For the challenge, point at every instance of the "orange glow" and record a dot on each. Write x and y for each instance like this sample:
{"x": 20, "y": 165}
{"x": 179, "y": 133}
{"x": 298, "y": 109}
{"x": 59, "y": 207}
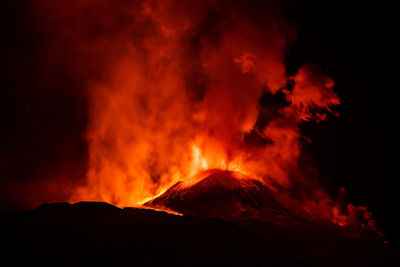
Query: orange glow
{"x": 177, "y": 90}
{"x": 166, "y": 110}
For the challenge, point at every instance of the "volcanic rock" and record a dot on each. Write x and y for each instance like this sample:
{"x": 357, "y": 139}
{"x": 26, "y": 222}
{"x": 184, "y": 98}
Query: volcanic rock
{"x": 96, "y": 233}
{"x": 222, "y": 194}
{"x": 233, "y": 196}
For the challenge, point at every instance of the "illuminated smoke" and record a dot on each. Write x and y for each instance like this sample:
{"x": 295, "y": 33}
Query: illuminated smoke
{"x": 175, "y": 87}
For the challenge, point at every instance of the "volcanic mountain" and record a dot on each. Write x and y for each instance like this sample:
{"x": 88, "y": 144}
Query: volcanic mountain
{"x": 222, "y": 194}
{"x": 233, "y": 196}
{"x": 229, "y": 219}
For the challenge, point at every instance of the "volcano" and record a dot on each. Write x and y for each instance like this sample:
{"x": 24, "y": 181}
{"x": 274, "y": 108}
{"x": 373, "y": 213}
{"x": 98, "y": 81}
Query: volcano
{"x": 195, "y": 133}
{"x": 100, "y": 233}
{"x": 233, "y": 196}
{"x": 222, "y": 194}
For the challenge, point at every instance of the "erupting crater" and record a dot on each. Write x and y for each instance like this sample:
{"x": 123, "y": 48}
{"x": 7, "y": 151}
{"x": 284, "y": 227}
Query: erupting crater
{"x": 235, "y": 197}
{"x": 223, "y": 194}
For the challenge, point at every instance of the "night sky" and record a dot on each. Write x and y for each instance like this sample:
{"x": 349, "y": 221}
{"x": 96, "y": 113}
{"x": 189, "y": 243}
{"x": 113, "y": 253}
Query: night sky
{"x": 43, "y": 111}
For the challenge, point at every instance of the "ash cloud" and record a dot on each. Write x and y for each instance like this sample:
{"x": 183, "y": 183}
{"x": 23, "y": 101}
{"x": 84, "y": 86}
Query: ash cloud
{"x": 169, "y": 88}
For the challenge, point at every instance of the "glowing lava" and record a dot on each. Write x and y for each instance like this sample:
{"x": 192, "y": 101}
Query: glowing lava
{"x": 179, "y": 88}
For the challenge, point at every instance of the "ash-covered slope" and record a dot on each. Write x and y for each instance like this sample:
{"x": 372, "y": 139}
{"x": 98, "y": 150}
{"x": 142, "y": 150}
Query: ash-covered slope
{"x": 95, "y": 233}
{"x": 232, "y": 196}
{"x": 222, "y": 194}
{"x": 228, "y": 219}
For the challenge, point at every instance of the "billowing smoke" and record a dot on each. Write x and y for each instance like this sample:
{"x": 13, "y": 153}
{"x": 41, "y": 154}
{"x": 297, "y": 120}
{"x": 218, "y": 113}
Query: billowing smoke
{"x": 175, "y": 87}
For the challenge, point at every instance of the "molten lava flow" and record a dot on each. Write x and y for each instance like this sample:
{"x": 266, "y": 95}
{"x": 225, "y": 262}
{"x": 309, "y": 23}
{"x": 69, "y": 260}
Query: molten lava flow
{"x": 178, "y": 87}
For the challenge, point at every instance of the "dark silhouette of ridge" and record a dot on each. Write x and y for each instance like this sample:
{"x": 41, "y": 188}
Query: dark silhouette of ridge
{"x": 98, "y": 233}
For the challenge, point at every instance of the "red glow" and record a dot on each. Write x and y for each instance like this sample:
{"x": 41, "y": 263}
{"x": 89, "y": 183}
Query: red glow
{"x": 179, "y": 90}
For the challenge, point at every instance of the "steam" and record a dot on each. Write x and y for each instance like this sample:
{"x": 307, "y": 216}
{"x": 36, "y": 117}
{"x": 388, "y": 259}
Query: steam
{"x": 183, "y": 76}
{"x": 175, "y": 87}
